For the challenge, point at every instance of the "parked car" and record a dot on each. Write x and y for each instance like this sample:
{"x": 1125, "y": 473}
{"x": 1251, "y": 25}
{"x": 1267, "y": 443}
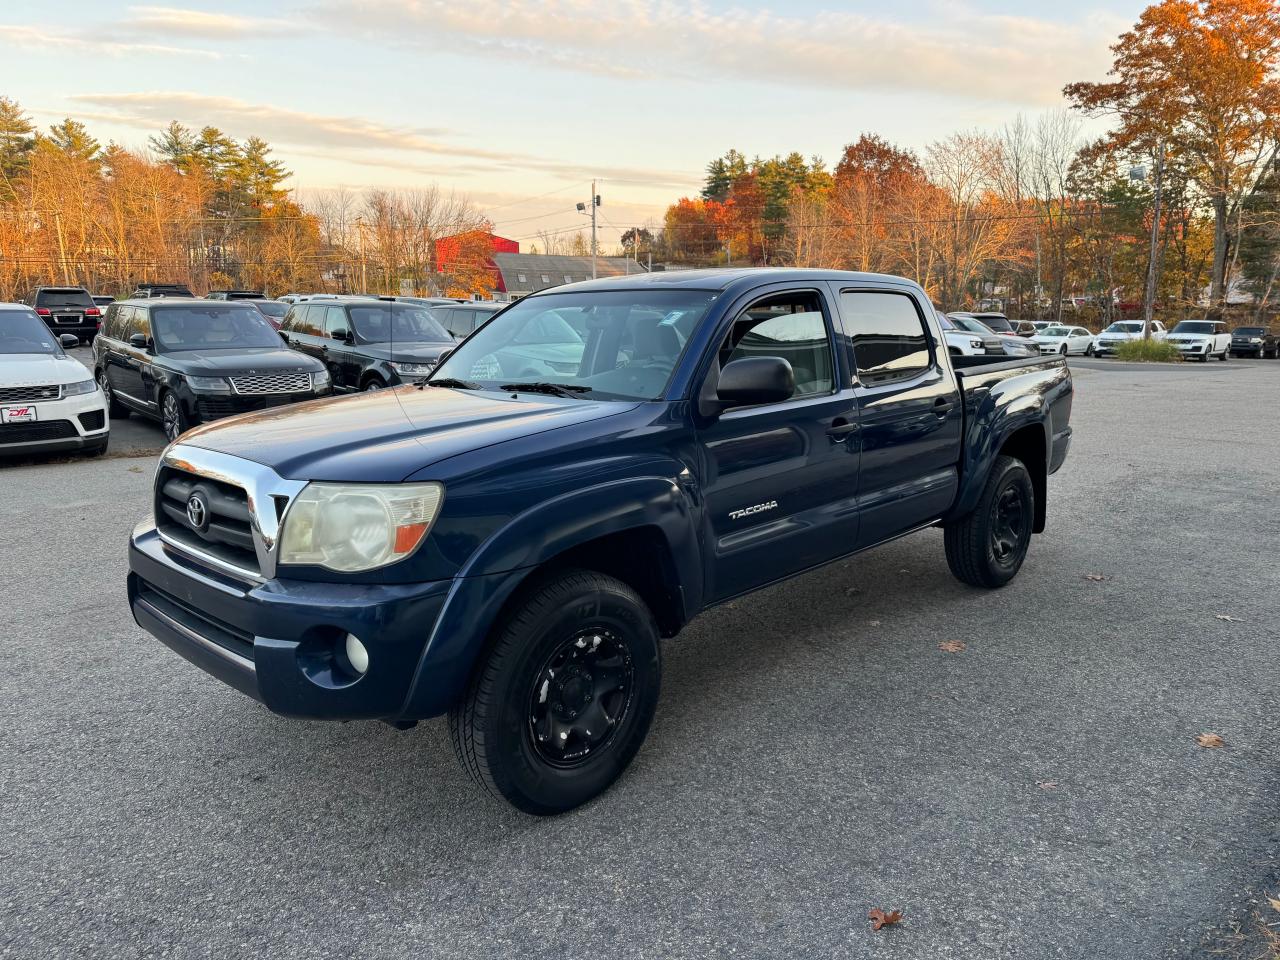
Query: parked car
{"x": 462, "y": 319}
{"x": 1201, "y": 339}
{"x": 999, "y": 323}
{"x": 510, "y": 553}
{"x": 1065, "y": 340}
{"x": 1042, "y": 325}
{"x": 148, "y": 290}
{"x": 1253, "y": 342}
{"x": 1122, "y": 331}
{"x": 367, "y": 344}
{"x": 102, "y": 301}
{"x": 236, "y": 295}
{"x": 964, "y": 343}
{"x": 185, "y": 362}
{"x": 48, "y": 400}
{"x": 1011, "y": 344}
{"x": 69, "y": 310}
{"x": 273, "y": 310}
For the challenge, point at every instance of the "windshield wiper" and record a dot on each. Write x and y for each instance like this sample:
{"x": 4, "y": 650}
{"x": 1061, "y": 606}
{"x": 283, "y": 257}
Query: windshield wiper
{"x": 555, "y": 389}
{"x": 449, "y": 382}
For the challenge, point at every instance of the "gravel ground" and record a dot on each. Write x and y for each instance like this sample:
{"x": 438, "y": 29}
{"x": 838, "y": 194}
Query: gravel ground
{"x": 1040, "y": 793}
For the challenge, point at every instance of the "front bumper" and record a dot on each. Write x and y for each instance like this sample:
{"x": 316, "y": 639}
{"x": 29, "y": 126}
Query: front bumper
{"x": 275, "y": 640}
{"x": 1192, "y": 348}
{"x": 1245, "y": 349}
{"x": 72, "y": 423}
{"x": 215, "y": 406}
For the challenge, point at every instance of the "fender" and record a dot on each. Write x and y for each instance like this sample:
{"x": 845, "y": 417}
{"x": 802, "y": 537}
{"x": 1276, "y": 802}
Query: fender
{"x": 504, "y": 561}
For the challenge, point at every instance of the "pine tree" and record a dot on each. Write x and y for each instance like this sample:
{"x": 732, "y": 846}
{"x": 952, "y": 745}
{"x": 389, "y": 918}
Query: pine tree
{"x": 72, "y": 138}
{"x": 16, "y": 143}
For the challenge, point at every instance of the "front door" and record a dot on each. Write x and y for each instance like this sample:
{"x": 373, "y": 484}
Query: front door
{"x": 909, "y": 413}
{"x": 337, "y": 353}
{"x": 780, "y": 480}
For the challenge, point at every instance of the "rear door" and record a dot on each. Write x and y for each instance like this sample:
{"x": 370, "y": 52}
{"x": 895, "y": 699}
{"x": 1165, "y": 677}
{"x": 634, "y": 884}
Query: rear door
{"x": 909, "y": 411}
{"x": 306, "y": 329}
{"x": 341, "y": 357}
{"x": 135, "y": 369}
{"x": 780, "y": 480}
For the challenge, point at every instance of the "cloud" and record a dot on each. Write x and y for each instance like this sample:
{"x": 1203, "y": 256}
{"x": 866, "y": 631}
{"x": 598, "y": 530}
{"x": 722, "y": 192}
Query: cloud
{"x": 178, "y": 21}
{"x": 103, "y": 44}
{"x": 957, "y": 52}
{"x": 358, "y": 139}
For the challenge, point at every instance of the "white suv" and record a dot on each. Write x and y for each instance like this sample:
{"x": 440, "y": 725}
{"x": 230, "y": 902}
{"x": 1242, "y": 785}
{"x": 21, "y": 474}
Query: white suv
{"x": 1202, "y": 339}
{"x": 48, "y": 401}
{"x": 1122, "y": 331}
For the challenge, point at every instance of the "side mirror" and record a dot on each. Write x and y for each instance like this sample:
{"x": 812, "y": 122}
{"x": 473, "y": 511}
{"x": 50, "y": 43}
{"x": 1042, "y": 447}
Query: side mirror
{"x": 755, "y": 380}
{"x": 139, "y": 340}
{"x": 68, "y": 340}
{"x": 343, "y": 335}
{"x": 443, "y": 356}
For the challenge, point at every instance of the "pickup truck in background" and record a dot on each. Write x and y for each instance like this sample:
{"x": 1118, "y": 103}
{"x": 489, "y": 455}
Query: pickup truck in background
{"x": 510, "y": 552}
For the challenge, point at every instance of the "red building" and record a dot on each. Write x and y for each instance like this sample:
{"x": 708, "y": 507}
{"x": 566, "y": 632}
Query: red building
{"x": 472, "y": 244}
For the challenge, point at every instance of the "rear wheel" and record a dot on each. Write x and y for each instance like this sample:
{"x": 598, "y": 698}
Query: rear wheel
{"x": 561, "y": 704}
{"x": 1223, "y": 357}
{"x": 986, "y": 548}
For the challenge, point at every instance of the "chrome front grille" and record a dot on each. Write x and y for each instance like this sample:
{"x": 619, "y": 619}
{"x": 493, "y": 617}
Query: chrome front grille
{"x": 272, "y": 383}
{"x": 49, "y": 391}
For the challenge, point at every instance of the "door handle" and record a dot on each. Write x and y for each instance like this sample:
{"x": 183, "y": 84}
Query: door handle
{"x": 942, "y": 406}
{"x": 840, "y": 430}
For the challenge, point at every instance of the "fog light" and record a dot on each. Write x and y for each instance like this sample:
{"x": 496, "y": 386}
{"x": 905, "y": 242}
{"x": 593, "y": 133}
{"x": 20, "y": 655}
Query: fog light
{"x": 357, "y": 655}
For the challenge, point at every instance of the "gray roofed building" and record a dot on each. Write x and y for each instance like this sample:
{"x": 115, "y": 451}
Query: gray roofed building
{"x": 525, "y": 273}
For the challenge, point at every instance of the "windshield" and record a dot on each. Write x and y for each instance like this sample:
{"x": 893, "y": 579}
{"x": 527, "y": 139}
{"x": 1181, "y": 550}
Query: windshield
{"x": 21, "y": 331}
{"x": 972, "y": 325}
{"x": 1056, "y": 332}
{"x": 208, "y": 326}
{"x": 620, "y": 345}
{"x": 272, "y": 308}
{"x": 397, "y": 322}
{"x": 1193, "y": 326}
{"x": 1125, "y": 328}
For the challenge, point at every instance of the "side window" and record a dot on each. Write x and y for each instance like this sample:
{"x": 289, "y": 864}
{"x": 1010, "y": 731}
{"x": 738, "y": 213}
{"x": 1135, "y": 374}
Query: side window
{"x": 335, "y": 320}
{"x": 290, "y": 321}
{"x": 790, "y": 326}
{"x": 889, "y": 339}
{"x": 110, "y": 321}
{"x": 310, "y": 321}
{"x": 141, "y": 322}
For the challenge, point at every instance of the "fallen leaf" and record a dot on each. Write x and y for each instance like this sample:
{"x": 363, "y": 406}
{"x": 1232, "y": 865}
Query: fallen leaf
{"x": 873, "y": 623}
{"x": 1228, "y": 618}
{"x": 951, "y": 646}
{"x": 135, "y": 469}
{"x": 881, "y": 919}
{"x": 1210, "y": 740}
{"x": 1275, "y": 904}
{"x": 1095, "y": 577}
{"x": 1047, "y": 784}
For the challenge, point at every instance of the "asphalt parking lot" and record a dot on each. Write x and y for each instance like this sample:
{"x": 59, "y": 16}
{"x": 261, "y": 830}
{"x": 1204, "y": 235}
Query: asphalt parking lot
{"x": 1040, "y": 793}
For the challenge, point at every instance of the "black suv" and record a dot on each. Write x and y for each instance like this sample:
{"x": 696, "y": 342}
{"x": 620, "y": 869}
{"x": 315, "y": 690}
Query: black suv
{"x": 145, "y": 291}
{"x": 67, "y": 310}
{"x": 367, "y": 344}
{"x": 237, "y": 295}
{"x": 184, "y": 362}
{"x": 462, "y": 319}
{"x": 1253, "y": 342}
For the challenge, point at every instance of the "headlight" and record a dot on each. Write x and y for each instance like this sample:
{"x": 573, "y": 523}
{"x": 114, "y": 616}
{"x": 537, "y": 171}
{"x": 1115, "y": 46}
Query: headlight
{"x": 975, "y": 344}
{"x": 1255, "y": 339}
{"x": 209, "y": 384}
{"x": 411, "y": 369}
{"x": 83, "y": 386}
{"x": 355, "y": 527}
{"x": 320, "y": 379}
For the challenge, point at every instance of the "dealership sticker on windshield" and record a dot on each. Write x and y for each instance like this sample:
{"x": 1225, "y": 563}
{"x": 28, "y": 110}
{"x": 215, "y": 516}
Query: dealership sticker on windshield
{"x": 25, "y": 414}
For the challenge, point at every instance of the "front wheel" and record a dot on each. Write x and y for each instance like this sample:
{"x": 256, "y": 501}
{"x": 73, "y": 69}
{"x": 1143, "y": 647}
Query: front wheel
{"x": 986, "y": 548}
{"x": 1089, "y": 350}
{"x": 564, "y": 698}
{"x": 173, "y": 417}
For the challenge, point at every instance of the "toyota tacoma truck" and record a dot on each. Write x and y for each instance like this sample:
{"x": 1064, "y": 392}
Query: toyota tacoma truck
{"x": 511, "y": 551}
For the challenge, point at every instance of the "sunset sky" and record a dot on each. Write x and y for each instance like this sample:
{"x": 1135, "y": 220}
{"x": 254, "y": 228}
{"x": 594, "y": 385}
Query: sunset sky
{"x": 519, "y": 104}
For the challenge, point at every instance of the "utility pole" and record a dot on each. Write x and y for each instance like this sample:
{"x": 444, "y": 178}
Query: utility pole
{"x": 1148, "y": 304}
{"x": 582, "y": 208}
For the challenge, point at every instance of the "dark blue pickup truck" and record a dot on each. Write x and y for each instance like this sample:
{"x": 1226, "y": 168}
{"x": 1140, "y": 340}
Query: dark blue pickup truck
{"x": 506, "y": 543}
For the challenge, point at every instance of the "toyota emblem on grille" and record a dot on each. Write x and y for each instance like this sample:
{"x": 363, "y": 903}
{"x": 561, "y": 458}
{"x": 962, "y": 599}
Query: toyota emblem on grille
{"x": 197, "y": 512}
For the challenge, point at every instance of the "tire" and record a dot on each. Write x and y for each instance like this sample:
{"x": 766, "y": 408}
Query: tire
{"x": 1089, "y": 350}
{"x": 373, "y": 383}
{"x": 96, "y": 451}
{"x": 173, "y": 418}
{"x": 1063, "y": 351}
{"x": 511, "y": 728}
{"x": 1223, "y": 358}
{"x": 987, "y": 547}
{"x": 115, "y": 409}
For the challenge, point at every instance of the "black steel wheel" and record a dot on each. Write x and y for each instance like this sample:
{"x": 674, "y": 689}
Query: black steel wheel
{"x": 173, "y": 417}
{"x": 986, "y": 548}
{"x": 563, "y": 699}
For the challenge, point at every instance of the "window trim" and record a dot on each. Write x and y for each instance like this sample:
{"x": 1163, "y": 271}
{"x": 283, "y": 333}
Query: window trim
{"x": 931, "y": 344}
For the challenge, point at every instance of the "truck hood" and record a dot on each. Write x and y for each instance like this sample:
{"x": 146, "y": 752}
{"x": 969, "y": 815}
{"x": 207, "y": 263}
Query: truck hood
{"x": 386, "y": 435}
{"x": 38, "y": 369}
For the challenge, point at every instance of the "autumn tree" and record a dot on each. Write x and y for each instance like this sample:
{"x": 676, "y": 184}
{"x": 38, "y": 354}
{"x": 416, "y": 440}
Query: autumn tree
{"x": 1197, "y": 79}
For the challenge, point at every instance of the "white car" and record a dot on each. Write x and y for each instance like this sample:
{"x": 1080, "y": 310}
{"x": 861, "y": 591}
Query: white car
{"x": 963, "y": 343}
{"x": 1201, "y": 339}
{"x": 1122, "y": 331}
{"x": 1065, "y": 340}
{"x": 1011, "y": 345}
{"x": 48, "y": 401}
